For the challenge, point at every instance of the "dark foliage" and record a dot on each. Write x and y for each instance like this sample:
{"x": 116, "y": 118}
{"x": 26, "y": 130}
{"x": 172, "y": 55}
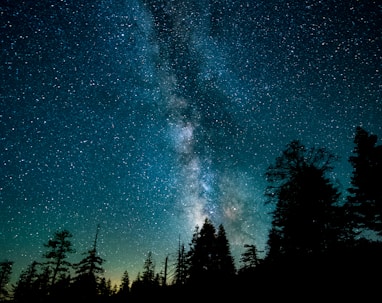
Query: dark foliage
{"x": 5, "y": 275}
{"x": 305, "y": 202}
{"x": 313, "y": 251}
{"x": 86, "y": 284}
{"x": 249, "y": 259}
{"x": 58, "y": 249}
{"x": 210, "y": 258}
{"x": 365, "y": 199}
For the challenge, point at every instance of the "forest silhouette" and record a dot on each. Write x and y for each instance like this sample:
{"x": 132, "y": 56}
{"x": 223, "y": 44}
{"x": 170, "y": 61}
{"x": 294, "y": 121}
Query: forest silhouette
{"x": 319, "y": 245}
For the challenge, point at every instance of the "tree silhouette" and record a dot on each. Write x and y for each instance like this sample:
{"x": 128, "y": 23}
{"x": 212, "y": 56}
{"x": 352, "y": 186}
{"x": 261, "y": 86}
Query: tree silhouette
{"x": 43, "y": 281}
{"x": 92, "y": 263}
{"x": 148, "y": 273}
{"x": 225, "y": 262}
{"x": 147, "y": 284}
{"x": 124, "y": 288}
{"x": 105, "y": 289}
{"x": 308, "y": 224}
{"x": 59, "y": 247}
{"x": 27, "y": 288}
{"x": 305, "y": 202}
{"x": 34, "y": 285}
{"x": 209, "y": 258}
{"x": 365, "y": 199}
{"x": 88, "y": 270}
{"x": 202, "y": 253}
{"x": 5, "y": 275}
{"x": 249, "y": 259}
{"x": 249, "y": 274}
{"x": 181, "y": 266}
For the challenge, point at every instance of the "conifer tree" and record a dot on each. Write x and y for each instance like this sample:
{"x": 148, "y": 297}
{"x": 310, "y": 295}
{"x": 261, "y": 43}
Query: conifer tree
{"x": 202, "y": 253}
{"x": 88, "y": 270}
{"x": 91, "y": 265}
{"x": 365, "y": 199}
{"x": 136, "y": 286}
{"x": 43, "y": 281}
{"x": 58, "y": 249}
{"x": 225, "y": 262}
{"x": 305, "y": 202}
{"x": 249, "y": 258}
{"x": 105, "y": 289}
{"x": 148, "y": 273}
{"x": 209, "y": 259}
{"x": 145, "y": 286}
{"x": 26, "y": 288}
{"x": 181, "y": 265}
{"x": 124, "y": 288}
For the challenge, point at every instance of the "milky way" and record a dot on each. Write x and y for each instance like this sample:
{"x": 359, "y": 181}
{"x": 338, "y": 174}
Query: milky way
{"x": 148, "y": 116}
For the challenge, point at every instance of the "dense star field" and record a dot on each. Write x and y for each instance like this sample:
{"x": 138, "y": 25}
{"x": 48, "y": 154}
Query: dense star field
{"x": 147, "y": 116}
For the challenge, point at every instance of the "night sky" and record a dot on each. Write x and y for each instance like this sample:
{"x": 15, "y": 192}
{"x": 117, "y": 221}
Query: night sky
{"x": 147, "y": 116}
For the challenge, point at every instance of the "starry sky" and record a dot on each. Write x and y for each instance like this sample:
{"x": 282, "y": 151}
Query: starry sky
{"x": 146, "y": 116}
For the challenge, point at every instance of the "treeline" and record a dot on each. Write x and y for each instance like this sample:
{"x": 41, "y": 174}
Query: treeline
{"x": 319, "y": 244}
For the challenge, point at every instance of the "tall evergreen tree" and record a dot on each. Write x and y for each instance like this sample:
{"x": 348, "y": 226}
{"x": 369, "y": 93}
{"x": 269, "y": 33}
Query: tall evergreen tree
{"x": 88, "y": 270}
{"x": 91, "y": 265}
{"x": 225, "y": 262}
{"x": 145, "y": 286}
{"x": 124, "y": 288}
{"x": 209, "y": 259}
{"x": 305, "y": 202}
{"x": 59, "y": 247}
{"x": 148, "y": 274}
{"x": 202, "y": 253}
{"x": 181, "y": 265}
{"x": 274, "y": 250}
{"x": 365, "y": 199}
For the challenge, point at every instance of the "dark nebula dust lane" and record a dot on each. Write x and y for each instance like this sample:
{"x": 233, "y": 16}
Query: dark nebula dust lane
{"x": 147, "y": 116}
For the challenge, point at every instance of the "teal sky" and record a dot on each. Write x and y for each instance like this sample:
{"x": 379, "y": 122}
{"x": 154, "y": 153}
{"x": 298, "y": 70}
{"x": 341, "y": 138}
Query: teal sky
{"x": 148, "y": 116}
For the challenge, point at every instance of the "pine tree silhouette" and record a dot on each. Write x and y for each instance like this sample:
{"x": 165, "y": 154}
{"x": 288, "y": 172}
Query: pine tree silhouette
{"x": 365, "y": 199}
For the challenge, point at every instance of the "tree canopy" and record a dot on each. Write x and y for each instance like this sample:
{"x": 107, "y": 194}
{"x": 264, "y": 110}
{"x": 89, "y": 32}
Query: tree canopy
{"x": 305, "y": 201}
{"x": 312, "y": 234}
{"x": 365, "y": 199}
